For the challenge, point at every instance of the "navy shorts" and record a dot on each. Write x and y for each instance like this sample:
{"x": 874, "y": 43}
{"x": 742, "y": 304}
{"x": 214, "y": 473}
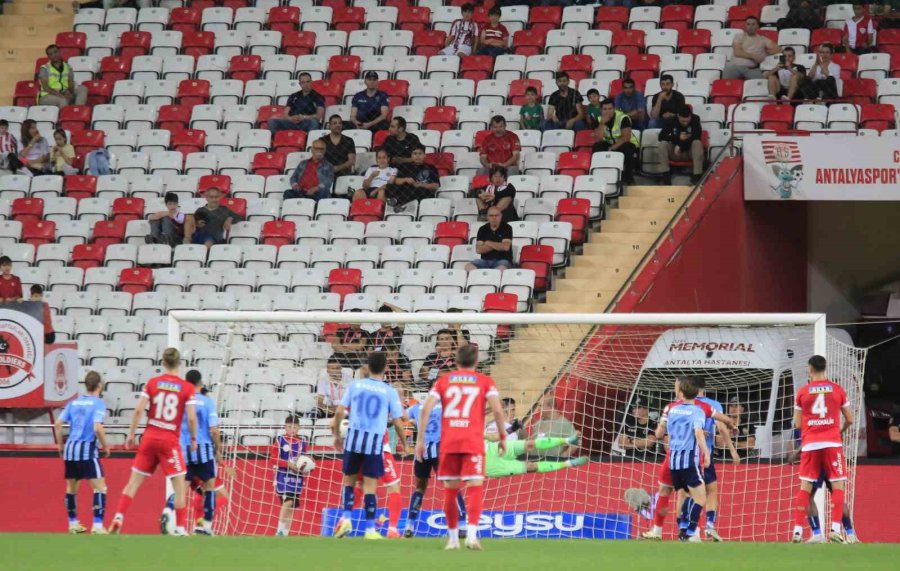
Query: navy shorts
{"x": 709, "y": 474}
{"x": 424, "y": 468}
{"x": 370, "y": 465}
{"x": 687, "y": 478}
{"x": 83, "y": 469}
{"x": 203, "y": 471}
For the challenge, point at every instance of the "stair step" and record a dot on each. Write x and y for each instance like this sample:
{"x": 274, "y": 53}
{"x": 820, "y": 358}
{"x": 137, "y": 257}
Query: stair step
{"x": 655, "y": 191}
{"x": 602, "y": 296}
{"x": 598, "y": 307}
{"x": 627, "y": 238}
{"x": 639, "y": 214}
{"x": 38, "y": 9}
{"x": 636, "y": 226}
{"x": 650, "y": 202}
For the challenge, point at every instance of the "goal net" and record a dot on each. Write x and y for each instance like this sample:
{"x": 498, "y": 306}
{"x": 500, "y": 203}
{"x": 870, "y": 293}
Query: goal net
{"x": 604, "y": 376}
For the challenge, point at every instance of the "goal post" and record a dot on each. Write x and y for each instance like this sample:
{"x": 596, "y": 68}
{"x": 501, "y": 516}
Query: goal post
{"x": 606, "y": 376}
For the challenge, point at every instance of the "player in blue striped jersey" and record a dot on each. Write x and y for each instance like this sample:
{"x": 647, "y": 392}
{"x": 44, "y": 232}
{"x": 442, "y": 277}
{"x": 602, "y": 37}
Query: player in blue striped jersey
{"x": 81, "y": 452}
{"x": 372, "y": 401}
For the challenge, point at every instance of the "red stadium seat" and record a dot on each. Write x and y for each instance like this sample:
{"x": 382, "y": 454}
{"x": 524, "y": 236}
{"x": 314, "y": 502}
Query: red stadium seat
{"x": 529, "y": 42}
{"x": 245, "y": 67}
{"x": 726, "y": 91}
{"x": 540, "y": 259}
{"x": 173, "y": 117}
{"x": 848, "y": 61}
{"x": 188, "y": 141}
{"x": 348, "y": 18}
{"x": 628, "y": 42}
{"x": 25, "y": 94}
{"x": 577, "y": 66}
{"x": 642, "y": 66}
{"x": 71, "y": 44}
{"x": 344, "y": 281}
{"x": 611, "y": 18}
{"x": 428, "y": 42}
{"x": 237, "y": 205}
{"x": 577, "y": 211}
{"x": 737, "y": 15}
{"x": 695, "y": 41}
{"x": 414, "y": 18}
{"x": 677, "y": 17}
{"x": 378, "y": 139}
{"x": 451, "y": 233}
{"x": 185, "y": 20}
{"x": 278, "y": 232}
{"x": 584, "y": 140}
{"x": 296, "y": 43}
{"x": 615, "y": 86}
{"x": 38, "y": 232}
{"x": 128, "y": 208}
{"x": 108, "y": 232}
{"x": 27, "y": 209}
{"x": 777, "y": 117}
{"x": 888, "y": 37}
{"x": 343, "y": 67}
{"x": 268, "y": 164}
{"x": 397, "y": 91}
{"x": 99, "y": 91}
{"x": 545, "y": 18}
{"x": 284, "y": 19}
{"x": 517, "y": 90}
{"x": 771, "y": 34}
{"x": 114, "y": 68}
{"x": 86, "y": 256}
{"x": 476, "y": 67}
{"x": 824, "y": 35}
{"x": 331, "y": 91}
{"x": 442, "y": 118}
{"x": 860, "y": 91}
{"x": 573, "y": 163}
{"x": 133, "y": 44}
{"x": 87, "y": 141}
{"x": 136, "y": 280}
{"x": 263, "y": 114}
{"x": 219, "y": 181}
{"x": 444, "y": 163}
{"x": 74, "y": 117}
{"x": 80, "y": 185}
{"x": 198, "y": 43}
{"x": 192, "y": 92}
{"x": 879, "y": 116}
{"x": 366, "y": 210}
{"x": 287, "y": 142}
{"x": 500, "y": 303}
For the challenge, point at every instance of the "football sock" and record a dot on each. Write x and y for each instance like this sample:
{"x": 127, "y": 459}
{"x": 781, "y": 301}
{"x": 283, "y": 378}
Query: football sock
{"x": 710, "y": 518}
{"x": 548, "y": 442}
{"x": 546, "y": 466}
{"x": 371, "y": 503}
{"x": 70, "y": 508}
{"x": 99, "y": 507}
{"x": 837, "y": 509}
{"x": 474, "y": 501}
{"x": 848, "y": 524}
{"x": 358, "y": 497}
{"x": 395, "y": 505}
{"x": 451, "y": 510}
{"x": 415, "y": 504}
{"x": 685, "y": 518}
{"x": 124, "y": 504}
{"x": 461, "y": 505}
{"x": 696, "y": 510}
{"x": 197, "y": 505}
{"x": 348, "y": 501}
{"x": 209, "y": 505}
{"x": 662, "y": 507}
{"x": 170, "y": 502}
{"x": 181, "y": 517}
{"x": 814, "y": 524}
{"x": 800, "y": 504}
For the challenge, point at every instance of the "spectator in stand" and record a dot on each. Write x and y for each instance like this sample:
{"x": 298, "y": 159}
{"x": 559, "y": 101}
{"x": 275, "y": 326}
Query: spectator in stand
{"x": 801, "y": 14}
{"x": 57, "y": 81}
{"x": 377, "y": 178}
{"x": 744, "y": 437}
{"x": 592, "y": 111}
{"x": 614, "y": 135}
{"x": 565, "y": 109}
{"x": 494, "y": 38}
{"x": 531, "y": 115}
{"x": 9, "y": 149}
{"x": 785, "y": 78}
{"x": 553, "y": 423}
{"x": 340, "y": 150}
{"x": 333, "y": 381}
{"x": 414, "y": 181}
{"x": 399, "y": 144}
{"x": 500, "y": 148}
{"x": 499, "y": 194}
{"x": 313, "y": 177}
{"x": 211, "y": 222}
{"x": 37, "y": 295}
{"x": 441, "y": 361}
{"x": 633, "y": 103}
{"x": 305, "y": 109}
{"x": 679, "y": 139}
{"x": 167, "y": 226}
{"x": 398, "y": 371}
{"x": 35, "y": 150}
{"x": 821, "y": 79}
{"x": 750, "y": 50}
{"x": 463, "y": 34}
{"x": 859, "y": 32}
{"x": 493, "y": 243}
{"x": 10, "y": 285}
{"x": 666, "y": 103}
{"x": 638, "y": 437}
{"x": 62, "y": 155}
{"x": 388, "y": 332}
{"x": 350, "y": 344}
{"x": 369, "y": 109}
{"x": 512, "y": 425}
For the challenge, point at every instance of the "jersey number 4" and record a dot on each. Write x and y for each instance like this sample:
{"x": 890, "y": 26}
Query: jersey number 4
{"x": 819, "y": 407}
{"x": 166, "y": 406}
{"x": 456, "y": 395}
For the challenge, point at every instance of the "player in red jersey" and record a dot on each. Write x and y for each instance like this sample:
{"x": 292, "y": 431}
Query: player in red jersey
{"x": 169, "y": 397}
{"x": 462, "y": 394}
{"x": 817, "y": 414}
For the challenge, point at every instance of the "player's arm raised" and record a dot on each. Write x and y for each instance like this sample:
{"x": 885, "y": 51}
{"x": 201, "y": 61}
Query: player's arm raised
{"x": 661, "y": 427}
{"x": 136, "y": 418}
{"x": 424, "y": 415}
{"x": 494, "y": 400}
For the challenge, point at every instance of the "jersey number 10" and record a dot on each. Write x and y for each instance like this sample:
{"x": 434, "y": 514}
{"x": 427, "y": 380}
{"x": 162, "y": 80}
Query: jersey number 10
{"x": 166, "y": 406}
{"x": 456, "y": 395}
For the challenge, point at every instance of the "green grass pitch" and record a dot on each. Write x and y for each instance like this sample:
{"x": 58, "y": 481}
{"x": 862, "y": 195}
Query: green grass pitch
{"x": 26, "y": 552}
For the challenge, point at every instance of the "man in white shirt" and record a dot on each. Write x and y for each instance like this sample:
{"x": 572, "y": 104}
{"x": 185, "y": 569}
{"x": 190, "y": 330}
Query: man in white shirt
{"x": 333, "y": 382}
{"x": 822, "y": 77}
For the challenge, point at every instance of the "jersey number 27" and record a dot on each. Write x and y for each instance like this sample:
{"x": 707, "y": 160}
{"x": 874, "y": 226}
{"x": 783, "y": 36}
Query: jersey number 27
{"x": 456, "y": 394}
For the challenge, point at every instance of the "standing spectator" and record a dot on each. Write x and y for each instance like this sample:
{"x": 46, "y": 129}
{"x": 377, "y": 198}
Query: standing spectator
{"x": 167, "y": 226}
{"x": 377, "y": 178}
{"x": 743, "y": 434}
{"x": 62, "y": 155}
{"x": 414, "y": 181}
{"x": 531, "y": 115}
{"x": 801, "y": 14}
{"x": 370, "y": 106}
{"x": 305, "y": 109}
{"x": 679, "y": 139}
{"x": 859, "y": 32}
{"x": 614, "y": 135}
{"x": 785, "y": 78}
{"x": 313, "y": 177}
{"x": 499, "y": 194}
{"x": 666, "y": 103}
{"x": 333, "y": 381}
{"x": 565, "y": 109}
{"x": 638, "y": 437}
{"x": 399, "y": 144}
{"x": 494, "y": 38}
{"x": 58, "y": 82}
{"x": 493, "y": 243}
{"x": 212, "y": 221}
{"x": 10, "y": 285}
{"x": 35, "y": 150}
{"x": 463, "y": 34}
{"x": 750, "y": 50}
{"x": 821, "y": 79}
{"x": 592, "y": 111}
{"x": 633, "y": 103}
{"x": 340, "y": 150}
{"x": 441, "y": 361}
{"x": 9, "y": 149}
{"x": 37, "y": 295}
{"x": 387, "y": 333}
{"x": 350, "y": 345}
{"x": 500, "y": 148}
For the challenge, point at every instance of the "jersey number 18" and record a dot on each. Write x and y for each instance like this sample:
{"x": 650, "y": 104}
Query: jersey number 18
{"x": 166, "y": 406}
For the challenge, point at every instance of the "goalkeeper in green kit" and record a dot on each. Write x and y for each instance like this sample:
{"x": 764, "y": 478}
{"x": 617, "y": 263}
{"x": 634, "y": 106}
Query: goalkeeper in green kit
{"x": 498, "y": 465}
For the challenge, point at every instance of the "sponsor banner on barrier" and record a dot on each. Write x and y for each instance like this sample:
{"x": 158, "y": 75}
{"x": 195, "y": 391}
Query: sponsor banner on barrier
{"x": 21, "y": 355}
{"x": 498, "y": 524}
{"x": 833, "y": 167}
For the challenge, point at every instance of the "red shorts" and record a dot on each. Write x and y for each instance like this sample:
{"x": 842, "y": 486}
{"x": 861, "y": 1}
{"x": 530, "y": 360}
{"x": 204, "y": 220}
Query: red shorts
{"x": 391, "y": 473}
{"x": 828, "y": 461}
{"x": 156, "y": 452}
{"x": 665, "y": 475}
{"x": 455, "y": 466}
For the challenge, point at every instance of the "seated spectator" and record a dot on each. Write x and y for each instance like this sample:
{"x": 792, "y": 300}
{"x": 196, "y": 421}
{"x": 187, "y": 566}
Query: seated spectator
{"x": 859, "y": 32}
{"x": 400, "y": 144}
{"x": 167, "y": 226}
{"x": 680, "y": 139}
{"x": 10, "y": 285}
{"x": 351, "y": 344}
{"x": 463, "y": 34}
{"x": 494, "y": 38}
{"x": 801, "y": 14}
{"x": 565, "y": 110}
{"x": 821, "y": 80}
{"x": 304, "y": 111}
{"x": 37, "y": 295}
{"x": 499, "y": 194}
{"x": 531, "y": 115}
{"x": 388, "y": 332}
{"x": 340, "y": 150}
{"x": 785, "y": 78}
{"x": 369, "y": 109}
{"x": 633, "y": 103}
{"x": 62, "y": 155}
{"x": 443, "y": 360}
{"x": 500, "y": 148}
{"x": 313, "y": 177}
{"x": 57, "y": 81}
{"x": 9, "y": 149}
{"x": 592, "y": 111}
{"x": 333, "y": 381}
{"x": 638, "y": 437}
{"x": 550, "y": 421}
{"x": 210, "y": 224}
{"x": 493, "y": 243}
{"x": 414, "y": 181}
{"x": 614, "y": 135}
{"x": 398, "y": 371}
{"x": 34, "y": 152}
{"x": 744, "y": 436}
{"x": 376, "y": 178}
{"x": 750, "y": 50}
{"x": 666, "y": 103}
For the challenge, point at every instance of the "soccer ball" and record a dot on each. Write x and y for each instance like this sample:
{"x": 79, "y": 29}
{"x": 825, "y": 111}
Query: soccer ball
{"x": 305, "y": 464}
{"x": 345, "y": 425}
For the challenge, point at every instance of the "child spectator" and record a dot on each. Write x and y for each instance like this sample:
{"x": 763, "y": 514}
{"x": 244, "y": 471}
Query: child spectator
{"x": 463, "y": 34}
{"x": 167, "y": 226}
{"x": 377, "y": 178}
{"x": 62, "y": 155}
{"x": 37, "y": 294}
{"x": 494, "y": 38}
{"x": 859, "y": 32}
{"x": 9, "y": 149}
{"x": 10, "y": 286}
{"x": 531, "y": 115}
{"x": 592, "y": 111}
